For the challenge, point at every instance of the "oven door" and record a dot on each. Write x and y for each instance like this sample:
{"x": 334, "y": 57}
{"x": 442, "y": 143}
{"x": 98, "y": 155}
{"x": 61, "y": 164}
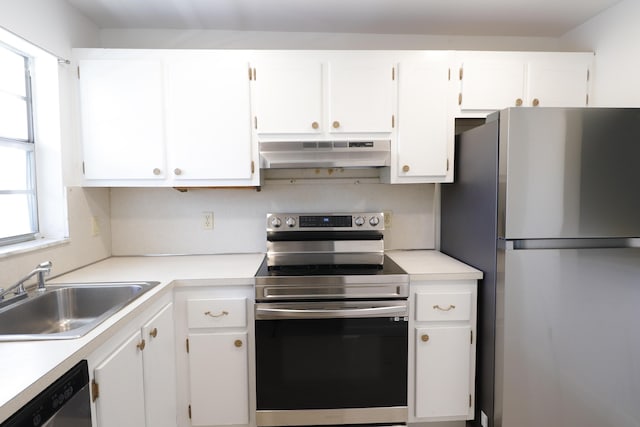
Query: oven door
{"x": 331, "y": 362}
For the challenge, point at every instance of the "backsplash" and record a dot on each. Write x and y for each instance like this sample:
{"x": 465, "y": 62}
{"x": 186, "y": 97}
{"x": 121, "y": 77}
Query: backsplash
{"x": 165, "y": 221}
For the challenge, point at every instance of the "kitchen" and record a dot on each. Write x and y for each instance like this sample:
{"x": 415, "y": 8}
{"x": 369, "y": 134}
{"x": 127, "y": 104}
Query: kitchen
{"x": 141, "y": 221}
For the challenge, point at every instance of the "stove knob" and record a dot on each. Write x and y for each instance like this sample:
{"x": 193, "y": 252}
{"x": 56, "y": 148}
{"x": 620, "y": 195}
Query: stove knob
{"x": 359, "y": 221}
{"x": 276, "y": 222}
{"x": 374, "y": 220}
{"x": 291, "y": 222}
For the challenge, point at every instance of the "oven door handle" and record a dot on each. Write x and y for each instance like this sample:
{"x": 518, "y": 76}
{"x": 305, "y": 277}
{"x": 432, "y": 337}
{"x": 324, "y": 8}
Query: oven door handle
{"x": 312, "y": 313}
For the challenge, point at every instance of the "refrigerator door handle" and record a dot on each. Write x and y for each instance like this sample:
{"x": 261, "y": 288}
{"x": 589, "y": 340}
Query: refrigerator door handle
{"x": 596, "y": 243}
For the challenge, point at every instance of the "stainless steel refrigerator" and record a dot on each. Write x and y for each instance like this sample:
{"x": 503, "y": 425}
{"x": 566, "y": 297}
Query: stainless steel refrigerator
{"x": 547, "y": 203}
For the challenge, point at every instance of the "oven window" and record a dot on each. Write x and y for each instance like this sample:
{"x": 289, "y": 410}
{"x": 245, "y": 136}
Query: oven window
{"x": 331, "y": 363}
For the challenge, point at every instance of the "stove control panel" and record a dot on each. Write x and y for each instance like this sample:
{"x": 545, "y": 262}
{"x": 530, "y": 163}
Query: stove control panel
{"x": 325, "y": 222}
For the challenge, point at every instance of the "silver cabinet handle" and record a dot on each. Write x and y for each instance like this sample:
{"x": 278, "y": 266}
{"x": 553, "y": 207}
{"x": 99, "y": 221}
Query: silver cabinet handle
{"x": 210, "y": 314}
{"x": 437, "y": 307}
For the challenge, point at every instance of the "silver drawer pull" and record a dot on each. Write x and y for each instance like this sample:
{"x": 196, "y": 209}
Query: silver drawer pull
{"x": 224, "y": 313}
{"x": 437, "y": 307}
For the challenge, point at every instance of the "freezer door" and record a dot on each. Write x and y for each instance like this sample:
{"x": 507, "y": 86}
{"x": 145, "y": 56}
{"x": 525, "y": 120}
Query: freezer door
{"x": 569, "y": 173}
{"x": 568, "y": 347}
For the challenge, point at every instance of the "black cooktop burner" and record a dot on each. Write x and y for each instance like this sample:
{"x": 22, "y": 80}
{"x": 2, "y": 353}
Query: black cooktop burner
{"x": 388, "y": 267}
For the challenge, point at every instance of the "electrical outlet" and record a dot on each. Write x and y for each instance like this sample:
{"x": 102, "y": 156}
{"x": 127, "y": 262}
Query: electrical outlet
{"x": 484, "y": 420}
{"x": 207, "y": 220}
{"x": 95, "y": 226}
{"x": 387, "y": 219}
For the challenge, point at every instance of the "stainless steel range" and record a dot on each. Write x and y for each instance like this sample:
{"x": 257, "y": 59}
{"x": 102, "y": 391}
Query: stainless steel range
{"x": 331, "y": 323}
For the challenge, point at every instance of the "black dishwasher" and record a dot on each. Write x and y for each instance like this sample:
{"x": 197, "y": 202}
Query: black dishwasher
{"x": 65, "y": 403}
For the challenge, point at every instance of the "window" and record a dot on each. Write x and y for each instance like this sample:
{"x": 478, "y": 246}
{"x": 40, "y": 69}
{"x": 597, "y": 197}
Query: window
{"x": 18, "y": 203}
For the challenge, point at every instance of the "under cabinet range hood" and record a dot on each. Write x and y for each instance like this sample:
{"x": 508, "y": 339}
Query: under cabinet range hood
{"x": 324, "y": 154}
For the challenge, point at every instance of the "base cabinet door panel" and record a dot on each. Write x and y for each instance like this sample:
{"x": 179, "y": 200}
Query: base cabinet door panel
{"x": 442, "y": 371}
{"x": 121, "y": 398}
{"x": 159, "y": 369}
{"x": 218, "y": 379}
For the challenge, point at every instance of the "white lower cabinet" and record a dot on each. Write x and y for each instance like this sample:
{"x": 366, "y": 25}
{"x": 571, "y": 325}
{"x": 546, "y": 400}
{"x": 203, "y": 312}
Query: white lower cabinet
{"x": 219, "y": 379}
{"x": 215, "y": 356}
{"x": 442, "y": 371}
{"x": 442, "y": 351}
{"x": 134, "y": 384}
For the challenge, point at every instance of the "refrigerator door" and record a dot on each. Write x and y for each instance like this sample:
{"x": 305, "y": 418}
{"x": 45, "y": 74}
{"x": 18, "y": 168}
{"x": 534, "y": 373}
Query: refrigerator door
{"x": 569, "y": 173}
{"x": 567, "y": 344}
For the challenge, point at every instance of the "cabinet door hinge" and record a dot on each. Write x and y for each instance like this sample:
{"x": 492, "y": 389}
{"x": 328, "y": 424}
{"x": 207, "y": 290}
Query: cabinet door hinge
{"x": 253, "y": 167}
{"x": 187, "y": 345}
{"x": 393, "y": 73}
{"x": 447, "y": 165}
{"x": 189, "y": 411}
{"x": 95, "y": 390}
{"x": 469, "y": 401}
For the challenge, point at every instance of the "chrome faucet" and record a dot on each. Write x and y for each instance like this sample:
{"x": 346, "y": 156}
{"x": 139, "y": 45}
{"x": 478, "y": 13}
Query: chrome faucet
{"x": 41, "y": 271}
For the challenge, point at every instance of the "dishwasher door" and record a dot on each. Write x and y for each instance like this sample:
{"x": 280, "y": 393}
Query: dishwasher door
{"x": 65, "y": 403}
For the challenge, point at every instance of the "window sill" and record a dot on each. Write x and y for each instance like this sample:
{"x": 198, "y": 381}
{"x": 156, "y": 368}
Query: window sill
{"x": 32, "y": 245}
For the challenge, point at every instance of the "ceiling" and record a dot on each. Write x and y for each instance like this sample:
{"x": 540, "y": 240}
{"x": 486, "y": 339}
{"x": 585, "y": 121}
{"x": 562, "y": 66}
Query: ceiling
{"x": 536, "y": 18}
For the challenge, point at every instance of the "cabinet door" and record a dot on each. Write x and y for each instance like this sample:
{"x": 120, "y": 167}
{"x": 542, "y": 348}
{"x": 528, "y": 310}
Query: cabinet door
{"x": 425, "y": 127}
{"x": 209, "y": 118}
{"x": 558, "y": 81}
{"x": 361, "y": 93}
{"x": 491, "y": 84}
{"x": 288, "y": 96}
{"x": 122, "y": 118}
{"x": 119, "y": 378}
{"x": 443, "y": 371}
{"x": 219, "y": 382}
{"x": 160, "y": 369}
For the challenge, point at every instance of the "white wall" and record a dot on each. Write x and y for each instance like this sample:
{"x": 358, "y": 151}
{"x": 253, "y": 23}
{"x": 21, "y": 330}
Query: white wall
{"x": 165, "y": 221}
{"x": 55, "y": 26}
{"x": 218, "y": 39}
{"x": 613, "y": 36}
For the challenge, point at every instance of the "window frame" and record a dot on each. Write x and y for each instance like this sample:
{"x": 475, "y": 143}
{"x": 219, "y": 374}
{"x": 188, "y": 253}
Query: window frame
{"x": 28, "y": 146}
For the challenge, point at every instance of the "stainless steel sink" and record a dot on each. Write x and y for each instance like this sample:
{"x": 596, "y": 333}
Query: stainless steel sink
{"x": 67, "y": 311}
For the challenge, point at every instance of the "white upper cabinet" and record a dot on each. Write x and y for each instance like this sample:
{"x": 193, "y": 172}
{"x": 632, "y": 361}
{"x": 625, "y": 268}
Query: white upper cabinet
{"x": 208, "y": 118}
{"x": 496, "y": 80}
{"x": 122, "y": 114}
{"x": 489, "y": 83}
{"x": 559, "y": 80}
{"x": 361, "y": 95}
{"x": 323, "y": 95}
{"x": 425, "y": 122}
{"x": 166, "y": 118}
{"x": 288, "y": 96}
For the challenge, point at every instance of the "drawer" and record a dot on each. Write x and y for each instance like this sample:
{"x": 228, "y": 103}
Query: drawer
{"x": 217, "y": 313}
{"x": 443, "y": 306}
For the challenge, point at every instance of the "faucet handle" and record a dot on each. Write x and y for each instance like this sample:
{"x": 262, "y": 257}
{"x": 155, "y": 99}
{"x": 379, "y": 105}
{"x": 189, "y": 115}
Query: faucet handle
{"x": 45, "y": 266}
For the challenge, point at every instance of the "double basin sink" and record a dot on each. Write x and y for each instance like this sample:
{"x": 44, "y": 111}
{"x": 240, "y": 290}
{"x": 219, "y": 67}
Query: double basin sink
{"x": 67, "y": 311}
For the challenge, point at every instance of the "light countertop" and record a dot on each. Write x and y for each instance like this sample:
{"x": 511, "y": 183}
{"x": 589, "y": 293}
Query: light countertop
{"x": 433, "y": 265}
{"x": 27, "y": 367}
